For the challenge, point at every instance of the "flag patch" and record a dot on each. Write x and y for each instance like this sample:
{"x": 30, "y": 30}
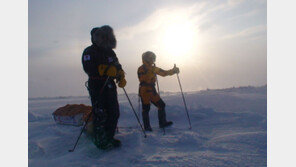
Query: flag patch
{"x": 86, "y": 57}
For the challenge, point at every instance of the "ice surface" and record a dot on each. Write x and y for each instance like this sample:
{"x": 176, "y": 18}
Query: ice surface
{"x": 228, "y": 129}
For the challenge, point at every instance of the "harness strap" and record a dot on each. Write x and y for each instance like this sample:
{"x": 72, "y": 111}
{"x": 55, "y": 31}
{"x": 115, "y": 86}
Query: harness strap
{"x": 97, "y": 77}
{"x": 147, "y": 84}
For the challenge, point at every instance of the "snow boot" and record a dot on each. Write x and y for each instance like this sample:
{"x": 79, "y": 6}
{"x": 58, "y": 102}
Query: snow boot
{"x": 116, "y": 142}
{"x": 148, "y": 129}
{"x": 145, "y": 116}
{"x": 100, "y": 135}
{"x": 165, "y": 124}
{"x": 109, "y": 144}
{"x": 103, "y": 144}
{"x": 162, "y": 119}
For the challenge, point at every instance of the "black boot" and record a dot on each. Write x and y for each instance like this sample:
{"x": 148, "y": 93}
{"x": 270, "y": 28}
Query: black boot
{"x": 113, "y": 141}
{"x": 165, "y": 124}
{"x": 108, "y": 143}
{"x": 148, "y": 129}
{"x": 146, "y": 121}
{"x": 162, "y": 119}
{"x": 100, "y": 136}
{"x": 116, "y": 142}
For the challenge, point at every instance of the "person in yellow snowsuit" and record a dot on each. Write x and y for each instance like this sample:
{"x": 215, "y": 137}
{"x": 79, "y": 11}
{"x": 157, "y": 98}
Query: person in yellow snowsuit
{"x": 147, "y": 77}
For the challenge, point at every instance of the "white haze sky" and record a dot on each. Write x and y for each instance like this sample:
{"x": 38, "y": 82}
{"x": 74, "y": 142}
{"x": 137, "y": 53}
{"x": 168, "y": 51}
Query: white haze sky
{"x": 216, "y": 43}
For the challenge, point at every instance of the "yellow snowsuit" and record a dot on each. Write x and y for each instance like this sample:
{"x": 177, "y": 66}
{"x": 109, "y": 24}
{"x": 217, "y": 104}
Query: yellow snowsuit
{"x": 147, "y": 77}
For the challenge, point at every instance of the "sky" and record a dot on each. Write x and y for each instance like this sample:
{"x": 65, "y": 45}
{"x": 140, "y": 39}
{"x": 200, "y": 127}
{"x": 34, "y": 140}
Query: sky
{"x": 216, "y": 43}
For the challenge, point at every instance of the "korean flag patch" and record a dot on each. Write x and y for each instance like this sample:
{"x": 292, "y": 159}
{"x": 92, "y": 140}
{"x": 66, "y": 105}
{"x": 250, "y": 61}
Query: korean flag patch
{"x": 86, "y": 57}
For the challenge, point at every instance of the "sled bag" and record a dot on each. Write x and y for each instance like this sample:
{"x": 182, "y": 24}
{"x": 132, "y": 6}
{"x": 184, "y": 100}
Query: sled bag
{"x": 72, "y": 114}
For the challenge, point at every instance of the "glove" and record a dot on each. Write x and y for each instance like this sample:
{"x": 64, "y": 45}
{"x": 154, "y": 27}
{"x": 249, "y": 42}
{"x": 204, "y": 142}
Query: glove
{"x": 122, "y": 83}
{"x": 111, "y": 71}
{"x": 120, "y": 75}
{"x": 120, "y": 79}
{"x": 176, "y": 69}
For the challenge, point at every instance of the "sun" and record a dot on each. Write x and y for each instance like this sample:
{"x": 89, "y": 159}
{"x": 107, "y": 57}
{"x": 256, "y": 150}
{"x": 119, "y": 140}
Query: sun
{"x": 179, "y": 40}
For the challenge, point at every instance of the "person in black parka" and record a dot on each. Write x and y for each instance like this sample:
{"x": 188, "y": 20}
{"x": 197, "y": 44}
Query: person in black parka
{"x": 101, "y": 65}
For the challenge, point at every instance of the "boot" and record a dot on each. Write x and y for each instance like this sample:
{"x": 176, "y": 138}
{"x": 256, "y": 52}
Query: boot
{"x": 162, "y": 119}
{"x": 165, "y": 124}
{"x": 146, "y": 121}
{"x": 148, "y": 129}
{"x": 100, "y": 136}
{"x": 113, "y": 141}
{"x": 116, "y": 142}
{"x": 107, "y": 144}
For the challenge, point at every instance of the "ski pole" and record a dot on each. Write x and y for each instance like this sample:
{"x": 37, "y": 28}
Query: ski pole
{"x": 157, "y": 84}
{"x": 139, "y": 106}
{"x": 159, "y": 95}
{"x": 101, "y": 91}
{"x": 183, "y": 99}
{"x": 163, "y": 128}
{"x": 156, "y": 81}
{"x": 134, "y": 112}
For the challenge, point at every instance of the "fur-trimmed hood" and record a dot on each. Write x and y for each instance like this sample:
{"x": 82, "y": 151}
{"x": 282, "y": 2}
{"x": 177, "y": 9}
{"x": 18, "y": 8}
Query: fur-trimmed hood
{"x": 103, "y": 37}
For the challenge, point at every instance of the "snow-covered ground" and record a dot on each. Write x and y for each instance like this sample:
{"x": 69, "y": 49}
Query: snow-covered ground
{"x": 229, "y": 128}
